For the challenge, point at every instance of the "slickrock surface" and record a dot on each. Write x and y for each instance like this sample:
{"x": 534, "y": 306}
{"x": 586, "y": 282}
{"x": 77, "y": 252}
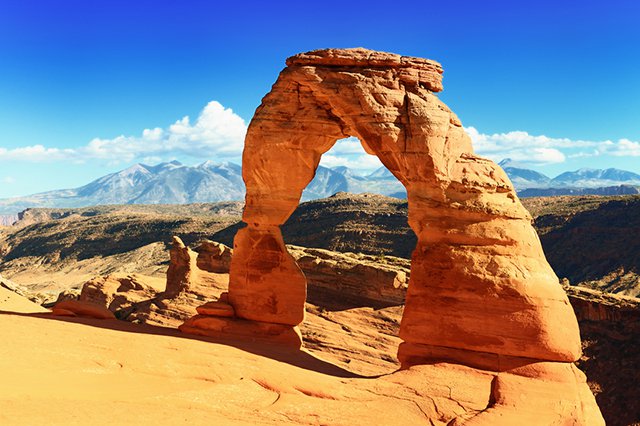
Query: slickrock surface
{"x": 13, "y": 302}
{"x": 481, "y": 292}
{"x": 85, "y": 372}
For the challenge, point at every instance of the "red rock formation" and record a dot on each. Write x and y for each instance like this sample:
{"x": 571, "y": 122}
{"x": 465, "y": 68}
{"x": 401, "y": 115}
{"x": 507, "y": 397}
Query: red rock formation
{"x": 353, "y": 276}
{"x": 594, "y": 305}
{"x": 82, "y": 309}
{"x": 214, "y": 257}
{"x": 216, "y": 308}
{"x": 137, "y": 298}
{"x": 481, "y": 292}
{"x": 117, "y": 292}
{"x": 183, "y": 268}
{"x": 360, "y": 277}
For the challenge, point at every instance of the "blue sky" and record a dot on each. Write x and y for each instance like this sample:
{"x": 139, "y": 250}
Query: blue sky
{"x": 87, "y": 88}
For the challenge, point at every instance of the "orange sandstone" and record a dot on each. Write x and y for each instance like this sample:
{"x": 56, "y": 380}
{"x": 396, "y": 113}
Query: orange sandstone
{"x": 183, "y": 270}
{"x": 481, "y": 292}
{"x": 82, "y": 309}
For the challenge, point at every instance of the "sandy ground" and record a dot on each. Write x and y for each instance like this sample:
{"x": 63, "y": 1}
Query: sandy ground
{"x": 80, "y": 371}
{"x": 10, "y": 301}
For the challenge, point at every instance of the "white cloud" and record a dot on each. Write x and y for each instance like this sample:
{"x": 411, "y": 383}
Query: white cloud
{"x": 35, "y": 153}
{"x": 217, "y": 133}
{"x": 349, "y": 152}
{"x": 539, "y": 150}
{"x": 363, "y": 162}
{"x": 8, "y": 179}
{"x": 624, "y": 148}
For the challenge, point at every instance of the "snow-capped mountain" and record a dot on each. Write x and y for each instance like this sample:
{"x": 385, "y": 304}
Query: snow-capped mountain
{"x": 530, "y": 183}
{"x": 601, "y": 190}
{"x": 176, "y": 183}
{"x": 522, "y": 177}
{"x": 165, "y": 183}
{"x": 592, "y": 178}
{"x": 328, "y": 181}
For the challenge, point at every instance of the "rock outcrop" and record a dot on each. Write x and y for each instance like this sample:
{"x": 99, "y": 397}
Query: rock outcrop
{"x": 183, "y": 269}
{"x": 359, "y": 278}
{"x": 142, "y": 299}
{"x": 481, "y": 291}
{"x": 72, "y": 308}
{"x": 117, "y": 292}
{"x": 594, "y": 305}
{"x": 214, "y": 257}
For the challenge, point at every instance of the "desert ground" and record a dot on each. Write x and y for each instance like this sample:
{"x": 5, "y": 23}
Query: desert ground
{"x": 350, "y": 340}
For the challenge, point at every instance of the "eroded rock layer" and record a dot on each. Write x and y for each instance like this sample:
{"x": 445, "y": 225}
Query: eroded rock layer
{"x": 481, "y": 292}
{"x": 355, "y": 278}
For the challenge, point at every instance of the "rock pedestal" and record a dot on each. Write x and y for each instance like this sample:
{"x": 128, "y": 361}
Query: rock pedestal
{"x": 183, "y": 269}
{"x": 481, "y": 292}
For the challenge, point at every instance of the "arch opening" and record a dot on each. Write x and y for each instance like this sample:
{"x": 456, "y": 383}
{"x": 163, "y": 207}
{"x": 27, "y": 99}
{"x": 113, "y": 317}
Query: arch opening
{"x": 348, "y": 167}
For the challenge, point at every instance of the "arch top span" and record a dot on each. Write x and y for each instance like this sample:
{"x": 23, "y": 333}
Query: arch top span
{"x": 385, "y": 100}
{"x": 410, "y": 69}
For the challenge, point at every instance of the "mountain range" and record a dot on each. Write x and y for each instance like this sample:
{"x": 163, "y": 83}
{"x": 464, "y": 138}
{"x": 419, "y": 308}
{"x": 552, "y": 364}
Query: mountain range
{"x": 176, "y": 183}
{"x": 165, "y": 183}
{"x": 523, "y": 178}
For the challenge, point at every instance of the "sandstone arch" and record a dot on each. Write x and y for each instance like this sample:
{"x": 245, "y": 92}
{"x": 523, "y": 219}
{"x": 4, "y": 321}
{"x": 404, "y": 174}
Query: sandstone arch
{"x": 480, "y": 283}
{"x": 481, "y": 292}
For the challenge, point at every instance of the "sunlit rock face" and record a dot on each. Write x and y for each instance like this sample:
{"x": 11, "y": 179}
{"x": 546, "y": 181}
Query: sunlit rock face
{"x": 481, "y": 292}
{"x": 183, "y": 268}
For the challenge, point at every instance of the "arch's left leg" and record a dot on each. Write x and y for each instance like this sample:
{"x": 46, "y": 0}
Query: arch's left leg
{"x": 267, "y": 290}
